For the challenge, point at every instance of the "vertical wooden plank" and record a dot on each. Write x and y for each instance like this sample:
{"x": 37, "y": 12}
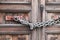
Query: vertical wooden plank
{"x": 27, "y": 37}
{"x": 14, "y": 37}
{"x": 43, "y": 33}
{"x": 44, "y": 12}
{"x": 30, "y": 36}
{"x": 34, "y": 34}
{"x": 39, "y": 33}
{"x": 36, "y": 18}
{"x": 30, "y": 16}
{"x": 43, "y": 19}
{"x": 2, "y": 20}
{"x": 35, "y": 11}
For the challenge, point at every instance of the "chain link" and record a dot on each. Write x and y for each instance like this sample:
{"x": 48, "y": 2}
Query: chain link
{"x": 38, "y": 24}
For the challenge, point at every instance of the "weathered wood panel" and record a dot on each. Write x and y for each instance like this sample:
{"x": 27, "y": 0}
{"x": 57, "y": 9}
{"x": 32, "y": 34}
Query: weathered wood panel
{"x": 14, "y": 37}
{"x": 52, "y": 1}
{"x": 37, "y": 18}
{"x": 15, "y": 30}
{"x": 2, "y": 18}
{"x": 15, "y": 7}
{"x": 52, "y": 33}
{"x": 54, "y": 27}
{"x": 53, "y": 37}
{"x": 53, "y": 8}
{"x": 15, "y": 0}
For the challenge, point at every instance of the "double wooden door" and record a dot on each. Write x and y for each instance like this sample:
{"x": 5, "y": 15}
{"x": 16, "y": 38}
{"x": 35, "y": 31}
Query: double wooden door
{"x": 13, "y": 37}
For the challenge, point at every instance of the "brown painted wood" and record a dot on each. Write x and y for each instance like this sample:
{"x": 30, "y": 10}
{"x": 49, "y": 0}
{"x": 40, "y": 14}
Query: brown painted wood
{"x": 2, "y": 1}
{"x": 14, "y": 31}
{"x": 15, "y": 8}
{"x": 13, "y": 37}
{"x": 14, "y": 3}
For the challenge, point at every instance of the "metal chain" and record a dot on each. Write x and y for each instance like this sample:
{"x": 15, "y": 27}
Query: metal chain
{"x": 47, "y": 23}
{"x": 38, "y": 24}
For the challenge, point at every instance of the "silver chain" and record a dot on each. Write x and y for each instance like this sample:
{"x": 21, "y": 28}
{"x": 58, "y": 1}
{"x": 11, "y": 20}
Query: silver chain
{"x": 38, "y": 24}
